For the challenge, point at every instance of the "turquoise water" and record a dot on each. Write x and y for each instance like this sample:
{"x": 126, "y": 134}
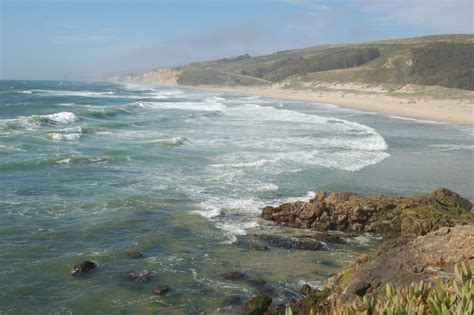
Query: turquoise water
{"x": 94, "y": 170}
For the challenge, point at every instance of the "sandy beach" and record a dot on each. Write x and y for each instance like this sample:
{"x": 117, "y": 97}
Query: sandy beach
{"x": 455, "y": 111}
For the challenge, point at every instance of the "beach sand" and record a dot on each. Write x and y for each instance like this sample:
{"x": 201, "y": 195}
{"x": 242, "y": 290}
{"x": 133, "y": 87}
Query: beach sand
{"x": 457, "y": 111}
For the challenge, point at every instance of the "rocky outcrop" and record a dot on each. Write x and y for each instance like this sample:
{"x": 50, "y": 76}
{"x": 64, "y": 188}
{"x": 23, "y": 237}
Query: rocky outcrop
{"x": 160, "y": 76}
{"x": 425, "y": 236}
{"x": 390, "y": 216}
{"x": 400, "y": 261}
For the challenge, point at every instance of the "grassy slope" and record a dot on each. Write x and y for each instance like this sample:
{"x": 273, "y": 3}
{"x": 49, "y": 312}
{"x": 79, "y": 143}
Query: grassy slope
{"x": 392, "y": 68}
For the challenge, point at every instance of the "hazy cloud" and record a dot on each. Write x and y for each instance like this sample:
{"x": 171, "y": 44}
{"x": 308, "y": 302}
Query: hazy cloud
{"x": 449, "y": 16}
{"x": 307, "y": 4}
{"x": 86, "y": 39}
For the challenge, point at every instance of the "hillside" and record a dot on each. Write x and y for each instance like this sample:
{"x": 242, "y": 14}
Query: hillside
{"x": 438, "y": 60}
{"x": 445, "y": 60}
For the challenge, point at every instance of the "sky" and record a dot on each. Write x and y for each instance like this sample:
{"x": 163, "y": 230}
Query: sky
{"x": 72, "y": 39}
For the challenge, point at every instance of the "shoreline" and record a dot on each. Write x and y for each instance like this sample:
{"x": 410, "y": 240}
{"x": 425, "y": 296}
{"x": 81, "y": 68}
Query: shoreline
{"x": 438, "y": 110}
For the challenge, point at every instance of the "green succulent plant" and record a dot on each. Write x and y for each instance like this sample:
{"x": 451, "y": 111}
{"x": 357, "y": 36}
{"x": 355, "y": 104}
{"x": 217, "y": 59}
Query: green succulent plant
{"x": 444, "y": 298}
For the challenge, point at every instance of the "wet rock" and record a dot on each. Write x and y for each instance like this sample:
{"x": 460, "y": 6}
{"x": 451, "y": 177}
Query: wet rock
{"x": 268, "y": 291}
{"x": 135, "y": 254}
{"x": 257, "y": 305}
{"x": 261, "y": 248}
{"x": 160, "y": 290}
{"x": 258, "y": 281}
{"x": 83, "y": 267}
{"x": 141, "y": 276}
{"x": 233, "y": 300}
{"x": 292, "y": 242}
{"x": 233, "y": 275}
{"x": 390, "y": 216}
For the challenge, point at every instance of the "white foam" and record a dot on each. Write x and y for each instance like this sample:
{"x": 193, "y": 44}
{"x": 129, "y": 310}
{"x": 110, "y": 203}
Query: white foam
{"x": 73, "y": 93}
{"x": 420, "y": 121}
{"x": 453, "y": 147}
{"x": 71, "y": 134}
{"x": 6, "y": 148}
{"x": 268, "y": 187}
{"x": 65, "y": 137}
{"x": 211, "y": 106}
{"x": 63, "y": 117}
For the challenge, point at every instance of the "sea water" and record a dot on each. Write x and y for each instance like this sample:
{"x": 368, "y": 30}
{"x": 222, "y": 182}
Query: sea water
{"x": 94, "y": 170}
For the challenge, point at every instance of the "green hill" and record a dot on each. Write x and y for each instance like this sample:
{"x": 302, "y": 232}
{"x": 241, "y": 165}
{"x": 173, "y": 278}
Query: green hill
{"x": 446, "y": 60}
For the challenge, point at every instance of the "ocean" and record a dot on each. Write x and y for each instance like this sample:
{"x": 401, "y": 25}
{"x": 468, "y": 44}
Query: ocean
{"x": 92, "y": 170}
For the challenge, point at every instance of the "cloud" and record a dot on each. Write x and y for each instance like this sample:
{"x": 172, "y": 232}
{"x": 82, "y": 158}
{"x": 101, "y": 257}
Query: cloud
{"x": 307, "y": 4}
{"x": 447, "y": 16}
{"x": 86, "y": 39}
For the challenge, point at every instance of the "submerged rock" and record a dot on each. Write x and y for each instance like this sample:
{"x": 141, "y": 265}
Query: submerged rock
{"x": 390, "y": 216}
{"x": 258, "y": 281}
{"x": 233, "y": 275}
{"x": 257, "y": 305}
{"x": 83, "y": 267}
{"x": 233, "y": 300}
{"x": 141, "y": 276}
{"x": 135, "y": 254}
{"x": 261, "y": 248}
{"x": 161, "y": 289}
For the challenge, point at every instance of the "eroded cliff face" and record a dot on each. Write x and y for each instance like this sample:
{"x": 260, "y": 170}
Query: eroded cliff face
{"x": 160, "y": 76}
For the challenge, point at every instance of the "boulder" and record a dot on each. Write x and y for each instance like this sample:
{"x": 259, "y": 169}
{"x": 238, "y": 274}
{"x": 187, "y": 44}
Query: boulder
{"x": 160, "y": 290}
{"x": 258, "y": 281}
{"x": 233, "y": 275}
{"x": 140, "y": 276}
{"x": 83, "y": 267}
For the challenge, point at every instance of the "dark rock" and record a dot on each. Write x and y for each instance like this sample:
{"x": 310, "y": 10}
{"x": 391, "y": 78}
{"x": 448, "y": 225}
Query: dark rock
{"x": 261, "y": 248}
{"x": 259, "y": 281}
{"x": 292, "y": 242}
{"x": 268, "y": 291}
{"x": 160, "y": 290}
{"x": 83, "y": 267}
{"x": 358, "y": 288}
{"x": 306, "y": 289}
{"x": 233, "y": 275}
{"x": 135, "y": 254}
{"x": 233, "y": 300}
{"x": 257, "y": 305}
{"x": 141, "y": 276}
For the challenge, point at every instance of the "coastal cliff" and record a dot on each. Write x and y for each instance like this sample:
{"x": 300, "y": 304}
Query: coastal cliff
{"x": 160, "y": 76}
